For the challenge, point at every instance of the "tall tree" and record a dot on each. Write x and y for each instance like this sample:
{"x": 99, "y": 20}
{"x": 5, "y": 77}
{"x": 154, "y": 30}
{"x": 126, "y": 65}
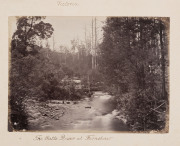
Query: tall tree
{"x": 161, "y": 34}
{"x": 31, "y": 28}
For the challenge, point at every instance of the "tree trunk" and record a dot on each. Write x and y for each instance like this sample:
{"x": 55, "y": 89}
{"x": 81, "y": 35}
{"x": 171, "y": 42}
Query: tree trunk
{"x": 162, "y": 62}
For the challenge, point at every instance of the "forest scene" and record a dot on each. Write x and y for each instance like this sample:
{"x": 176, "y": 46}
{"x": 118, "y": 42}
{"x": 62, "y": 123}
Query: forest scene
{"x": 88, "y": 74}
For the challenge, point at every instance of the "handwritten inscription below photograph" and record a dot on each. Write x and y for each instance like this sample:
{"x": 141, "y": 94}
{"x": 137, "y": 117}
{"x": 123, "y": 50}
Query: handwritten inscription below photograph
{"x": 88, "y": 74}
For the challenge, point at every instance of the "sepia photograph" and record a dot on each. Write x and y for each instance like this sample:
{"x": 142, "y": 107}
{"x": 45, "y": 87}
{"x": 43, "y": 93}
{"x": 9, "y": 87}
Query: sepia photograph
{"x": 88, "y": 74}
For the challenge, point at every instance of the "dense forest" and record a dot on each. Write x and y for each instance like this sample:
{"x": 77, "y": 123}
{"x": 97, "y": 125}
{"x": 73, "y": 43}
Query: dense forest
{"x": 130, "y": 63}
{"x": 134, "y": 61}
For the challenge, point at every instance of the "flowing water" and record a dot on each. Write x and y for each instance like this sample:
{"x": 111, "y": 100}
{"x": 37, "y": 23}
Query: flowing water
{"x": 96, "y": 113}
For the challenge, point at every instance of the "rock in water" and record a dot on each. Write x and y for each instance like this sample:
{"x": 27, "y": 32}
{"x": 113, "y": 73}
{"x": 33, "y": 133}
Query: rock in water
{"x": 45, "y": 114}
{"x": 87, "y": 107}
{"x": 57, "y": 118}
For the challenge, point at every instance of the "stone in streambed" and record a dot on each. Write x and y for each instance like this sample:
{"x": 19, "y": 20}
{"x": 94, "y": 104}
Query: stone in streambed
{"x": 57, "y": 118}
{"x": 44, "y": 114}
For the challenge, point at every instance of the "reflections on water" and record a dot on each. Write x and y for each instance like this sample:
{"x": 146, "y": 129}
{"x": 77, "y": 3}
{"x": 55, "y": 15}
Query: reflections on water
{"x": 96, "y": 113}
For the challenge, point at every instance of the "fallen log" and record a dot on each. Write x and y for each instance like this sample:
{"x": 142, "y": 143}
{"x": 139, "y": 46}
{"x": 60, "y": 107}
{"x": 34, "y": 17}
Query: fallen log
{"x": 87, "y": 107}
